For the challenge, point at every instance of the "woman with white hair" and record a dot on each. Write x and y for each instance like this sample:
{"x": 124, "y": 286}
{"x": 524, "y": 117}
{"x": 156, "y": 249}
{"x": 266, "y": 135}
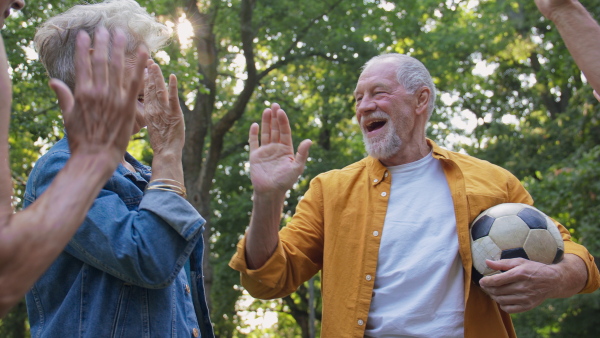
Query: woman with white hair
{"x": 31, "y": 239}
{"x": 123, "y": 272}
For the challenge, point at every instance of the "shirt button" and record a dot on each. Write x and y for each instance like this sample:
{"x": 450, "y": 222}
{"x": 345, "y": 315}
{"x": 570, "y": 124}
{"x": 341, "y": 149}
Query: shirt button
{"x": 369, "y": 277}
{"x": 384, "y": 194}
{"x": 360, "y": 322}
{"x": 195, "y": 332}
{"x": 187, "y": 289}
{"x": 375, "y": 233}
{"x": 375, "y": 180}
{"x": 386, "y": 174}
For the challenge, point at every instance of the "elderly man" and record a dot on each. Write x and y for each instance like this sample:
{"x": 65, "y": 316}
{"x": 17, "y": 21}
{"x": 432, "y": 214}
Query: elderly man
{"x": 390, "y": 233}
{"x": 30, "y": 240}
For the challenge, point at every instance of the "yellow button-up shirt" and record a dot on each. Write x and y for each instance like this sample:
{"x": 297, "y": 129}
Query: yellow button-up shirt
{"x": 337, "y": 229}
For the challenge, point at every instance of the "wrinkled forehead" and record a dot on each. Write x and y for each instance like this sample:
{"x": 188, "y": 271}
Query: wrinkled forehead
{"x": 382, "y": 73}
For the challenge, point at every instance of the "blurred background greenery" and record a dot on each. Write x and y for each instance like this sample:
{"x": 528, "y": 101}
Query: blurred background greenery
{"x": 509, "y": 93}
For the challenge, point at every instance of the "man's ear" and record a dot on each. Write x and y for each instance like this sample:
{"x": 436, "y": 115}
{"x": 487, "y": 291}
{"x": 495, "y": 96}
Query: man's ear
{"x": 423, "y": 96}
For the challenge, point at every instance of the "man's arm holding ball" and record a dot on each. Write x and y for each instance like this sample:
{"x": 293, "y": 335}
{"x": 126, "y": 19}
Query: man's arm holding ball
{"x": 526, "y": 284}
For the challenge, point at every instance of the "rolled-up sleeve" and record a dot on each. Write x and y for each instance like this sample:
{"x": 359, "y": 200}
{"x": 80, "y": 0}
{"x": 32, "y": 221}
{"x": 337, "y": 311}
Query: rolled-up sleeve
{"x": 520, "y": 195}
{"x": 593, "y": 281}
{"x": 298, "y": 256}
{"x": 173, "y": 210}
{"x": 265, "y": 282}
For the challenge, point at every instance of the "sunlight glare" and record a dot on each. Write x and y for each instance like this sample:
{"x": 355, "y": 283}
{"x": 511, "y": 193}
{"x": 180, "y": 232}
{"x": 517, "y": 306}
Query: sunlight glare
{"x": 256, "y": 320}
{"x": 185, "y": 32}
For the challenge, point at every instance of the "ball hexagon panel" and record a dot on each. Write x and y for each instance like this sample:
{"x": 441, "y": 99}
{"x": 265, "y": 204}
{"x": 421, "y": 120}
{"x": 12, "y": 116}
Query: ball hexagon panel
{"x": 540, "y": 246}
{"x": 482, "y": 249}
{"x": 509, "y": 232}
{"x": 505, "y": 209}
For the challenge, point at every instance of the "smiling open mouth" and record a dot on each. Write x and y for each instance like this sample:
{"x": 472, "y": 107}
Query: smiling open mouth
{"x": 375, "y": 124}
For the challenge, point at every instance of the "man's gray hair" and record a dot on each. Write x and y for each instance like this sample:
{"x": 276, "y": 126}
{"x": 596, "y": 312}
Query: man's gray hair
{"x": 410, "y": 73}
{"x": 55, "y": 39}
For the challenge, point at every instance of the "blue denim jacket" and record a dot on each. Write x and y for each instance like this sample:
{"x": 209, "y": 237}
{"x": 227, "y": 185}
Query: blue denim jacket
{"x": 122, "y": 273}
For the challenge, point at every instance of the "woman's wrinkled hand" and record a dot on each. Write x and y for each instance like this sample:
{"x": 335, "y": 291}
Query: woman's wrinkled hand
{"x": 163, "y": 113}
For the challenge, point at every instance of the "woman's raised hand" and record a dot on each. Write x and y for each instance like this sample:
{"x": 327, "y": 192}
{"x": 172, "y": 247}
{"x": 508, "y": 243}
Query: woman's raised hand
{"x": 163, "y": 113}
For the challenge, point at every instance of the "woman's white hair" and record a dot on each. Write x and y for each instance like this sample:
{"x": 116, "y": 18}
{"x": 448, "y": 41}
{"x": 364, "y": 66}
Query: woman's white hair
{"x": 410, "y": 73}
{"x": 55, "y": 39}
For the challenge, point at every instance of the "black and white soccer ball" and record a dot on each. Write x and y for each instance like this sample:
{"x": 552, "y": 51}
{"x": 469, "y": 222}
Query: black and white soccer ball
{"x": 512, "y": 230}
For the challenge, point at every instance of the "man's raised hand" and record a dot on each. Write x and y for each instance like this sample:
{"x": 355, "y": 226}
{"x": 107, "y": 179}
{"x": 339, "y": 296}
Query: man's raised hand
{"x": 273, "y": 165}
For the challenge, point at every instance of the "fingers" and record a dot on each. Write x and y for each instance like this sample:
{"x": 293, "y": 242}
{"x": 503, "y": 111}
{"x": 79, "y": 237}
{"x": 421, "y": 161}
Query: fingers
{"x": 174, "y": 94}
{"x": 253, "y": 137}
{"x": 100, "y": 61}
{"x": 83, "y": 73}
{"x": 65, "y": 96}
{"x": 501, "y": 278}
{"x": 516, "y": 303}
{"x": 265, "y": 135}
{"x": 136, "y": 82}
{"x": 276, "y": 130}
{"x": 117, "y": 61}
{"x": 159, "y": 84}
{"x": 150, "y": 87}
{"x": 275, "y": 117}
{"x": 284, "y": 131}
{"x": 302, "y": 154}
{"x": 505, "y": 264}
{"x": 515, "y": 298}
{"x": 272, "y": 119}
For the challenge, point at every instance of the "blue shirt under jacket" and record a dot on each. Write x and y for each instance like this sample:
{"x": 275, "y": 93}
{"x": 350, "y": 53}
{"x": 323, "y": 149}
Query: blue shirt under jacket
{"x": 122, "y": 273}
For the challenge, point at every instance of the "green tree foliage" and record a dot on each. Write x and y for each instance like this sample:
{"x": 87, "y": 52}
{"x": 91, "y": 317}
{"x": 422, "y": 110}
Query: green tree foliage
{"x": 533, "y": 112}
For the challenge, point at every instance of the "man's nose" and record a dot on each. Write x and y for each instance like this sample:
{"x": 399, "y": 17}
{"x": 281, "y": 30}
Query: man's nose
{"x": 365, "y": 105}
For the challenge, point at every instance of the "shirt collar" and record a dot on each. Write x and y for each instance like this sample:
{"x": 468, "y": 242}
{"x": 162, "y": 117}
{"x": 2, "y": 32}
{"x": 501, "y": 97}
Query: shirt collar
{"x": 378, "y": 172}
{"x": 438, "y": 152}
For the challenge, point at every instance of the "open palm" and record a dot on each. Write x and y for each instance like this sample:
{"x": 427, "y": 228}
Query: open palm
{"x": 273, "y": 165}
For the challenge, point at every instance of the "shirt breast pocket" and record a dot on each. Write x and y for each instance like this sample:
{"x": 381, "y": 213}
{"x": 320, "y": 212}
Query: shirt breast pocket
{"x": 480, "y": 203}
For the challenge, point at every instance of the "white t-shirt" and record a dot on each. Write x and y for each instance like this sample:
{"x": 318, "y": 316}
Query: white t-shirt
{"x": 418, "y": 289}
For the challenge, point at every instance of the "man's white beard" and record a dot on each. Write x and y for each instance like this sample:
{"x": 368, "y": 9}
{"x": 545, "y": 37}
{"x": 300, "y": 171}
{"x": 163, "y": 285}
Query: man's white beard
{"x": 384, "y": 146}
